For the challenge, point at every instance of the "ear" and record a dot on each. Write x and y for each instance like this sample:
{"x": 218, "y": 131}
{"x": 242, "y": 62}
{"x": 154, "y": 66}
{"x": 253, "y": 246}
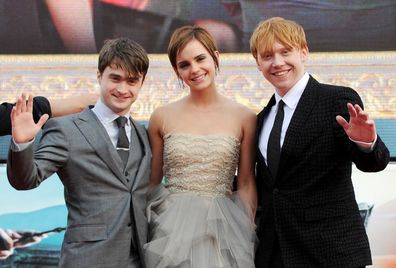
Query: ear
{"x": 98, "y": 76}
{"x": 258, "y": 64}
{"x": 304, "y": 54}
{"x": 217, "y": 54}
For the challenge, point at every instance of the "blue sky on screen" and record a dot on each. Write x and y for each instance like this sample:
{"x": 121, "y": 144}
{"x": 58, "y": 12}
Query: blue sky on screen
{"x": 49, "y": 193}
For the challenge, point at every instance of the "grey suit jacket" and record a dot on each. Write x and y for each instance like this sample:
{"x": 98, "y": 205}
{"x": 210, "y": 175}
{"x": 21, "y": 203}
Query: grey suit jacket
{"x": 107, "y": 226}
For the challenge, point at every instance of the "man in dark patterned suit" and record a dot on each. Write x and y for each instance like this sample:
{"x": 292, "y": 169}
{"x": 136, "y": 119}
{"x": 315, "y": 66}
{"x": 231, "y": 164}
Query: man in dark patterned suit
{"x": 309, "y": 214}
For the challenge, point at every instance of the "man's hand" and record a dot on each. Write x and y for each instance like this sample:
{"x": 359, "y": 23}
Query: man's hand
{"x": 24, "y": 129}
{"x": 11, "y": 239}
{"x": 7, "y": 244}
{"x": 360, "y": 127}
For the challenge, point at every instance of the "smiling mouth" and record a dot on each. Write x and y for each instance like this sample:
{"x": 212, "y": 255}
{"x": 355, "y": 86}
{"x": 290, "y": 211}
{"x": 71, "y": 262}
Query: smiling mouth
{"x": 198, "y": 78}
{"x": 121, "y": 98}
{"x": 280, "y": 73}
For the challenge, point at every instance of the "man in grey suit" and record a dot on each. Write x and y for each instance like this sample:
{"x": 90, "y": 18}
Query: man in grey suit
{"x": 104, "y": 195}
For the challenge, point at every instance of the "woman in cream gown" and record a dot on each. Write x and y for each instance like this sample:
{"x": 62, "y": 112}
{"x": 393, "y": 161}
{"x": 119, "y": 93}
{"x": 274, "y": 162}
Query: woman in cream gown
{"x": 196, "y": 218}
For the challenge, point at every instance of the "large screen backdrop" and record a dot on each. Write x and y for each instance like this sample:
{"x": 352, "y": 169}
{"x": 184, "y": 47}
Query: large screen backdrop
{"x": 54, "y": 47}
{"x": 81, "y": 26}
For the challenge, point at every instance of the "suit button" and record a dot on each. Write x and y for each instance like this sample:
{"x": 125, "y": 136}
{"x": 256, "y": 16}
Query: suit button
{"x": 129, "y": 224}
{"x": 275, "y": 191}
{"x": 126, "y": 173}
{"x": 127, "y": 180}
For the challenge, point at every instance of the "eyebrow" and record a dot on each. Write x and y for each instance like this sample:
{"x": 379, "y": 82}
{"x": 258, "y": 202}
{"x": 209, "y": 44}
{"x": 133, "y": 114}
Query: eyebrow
{"x": 202, "y": 54}
{"x": 114, "y": 75}
{"x": 185, "y": 61}
{"x": 134, "y": 77}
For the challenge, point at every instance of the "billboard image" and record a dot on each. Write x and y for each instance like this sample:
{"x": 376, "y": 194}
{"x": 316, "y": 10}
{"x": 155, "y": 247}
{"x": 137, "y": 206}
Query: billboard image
{"x": 64, "y": 26}
{"x": 49, "y": 48}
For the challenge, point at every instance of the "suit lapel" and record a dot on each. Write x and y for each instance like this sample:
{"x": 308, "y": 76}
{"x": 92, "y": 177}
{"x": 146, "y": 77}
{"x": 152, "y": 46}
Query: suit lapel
{"x": 95, "y": 134}
{"x": 301, "y": 115}
{"x": 259, "y": 156}
{"x": 260, "y": 122}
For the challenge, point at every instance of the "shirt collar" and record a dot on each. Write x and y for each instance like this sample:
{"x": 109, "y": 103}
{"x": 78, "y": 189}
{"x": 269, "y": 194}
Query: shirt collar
{"x": 292, "y": 97}
{"x": 105, "y": 114}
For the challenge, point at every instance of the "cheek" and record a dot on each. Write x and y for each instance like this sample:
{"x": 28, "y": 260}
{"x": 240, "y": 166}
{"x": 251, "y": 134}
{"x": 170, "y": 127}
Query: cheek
{"x": 106, "y": 86}
{"x": 107, "y": 90}
{"x": 135, "y": 90}
{"x": 263, "y": 67}
{"x": 181, "y": 73}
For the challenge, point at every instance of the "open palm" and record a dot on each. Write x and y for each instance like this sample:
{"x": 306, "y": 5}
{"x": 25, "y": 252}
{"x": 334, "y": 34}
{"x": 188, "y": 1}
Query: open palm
{"x": 24, "y": 129}
{"x": 360, "y": 127}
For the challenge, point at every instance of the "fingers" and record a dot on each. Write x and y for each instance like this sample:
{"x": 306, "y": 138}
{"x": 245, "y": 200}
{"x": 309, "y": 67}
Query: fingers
{"x": 21, "y": 105}
{"x": 5, "y": 253}
{"x": 13, "y": 234}
{"x": 13, "y": 114}
{"x": 29, "y": 241}
{"x": 362, "y": 115}
{"x": 357, "y": 111}
{"x": 30, "y": 104}
{"x": 6, "y": 239}
{"x": 43, "y": 120}
{"x": 342, "y": 122}
{"x": 25, "y": 242}
{"x": 352, "y": 110}
{"x": 358, "y": 108}
{"x": 370, "y": 122}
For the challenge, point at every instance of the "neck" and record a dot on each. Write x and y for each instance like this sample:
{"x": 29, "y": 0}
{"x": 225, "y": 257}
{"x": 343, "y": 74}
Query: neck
{"x": 203, "y": 98}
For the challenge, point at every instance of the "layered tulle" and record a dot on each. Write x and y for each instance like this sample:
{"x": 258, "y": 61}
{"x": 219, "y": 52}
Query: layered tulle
{"x": 195, "y": 230}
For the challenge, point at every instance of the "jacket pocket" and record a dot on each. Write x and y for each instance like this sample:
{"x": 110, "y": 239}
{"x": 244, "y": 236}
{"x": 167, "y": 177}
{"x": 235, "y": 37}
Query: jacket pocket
{"x": 86, "y": 233}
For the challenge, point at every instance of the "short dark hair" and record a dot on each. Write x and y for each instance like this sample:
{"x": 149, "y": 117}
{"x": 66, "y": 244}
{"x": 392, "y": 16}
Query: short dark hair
{"x": 125, "y": 54}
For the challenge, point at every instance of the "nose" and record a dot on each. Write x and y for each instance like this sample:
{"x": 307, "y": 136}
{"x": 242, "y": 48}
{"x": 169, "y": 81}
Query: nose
{"x": 122, "y": 87}
{"x": 277, "y": 60}
{"x": 194, "y": 67}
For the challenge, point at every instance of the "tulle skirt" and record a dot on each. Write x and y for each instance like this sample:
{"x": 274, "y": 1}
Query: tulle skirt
{"x": 198, "y": 231}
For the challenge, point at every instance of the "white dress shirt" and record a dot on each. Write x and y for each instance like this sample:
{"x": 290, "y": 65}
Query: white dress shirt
{"x": 291, "y": 100}
{"x": 107, "y": 117}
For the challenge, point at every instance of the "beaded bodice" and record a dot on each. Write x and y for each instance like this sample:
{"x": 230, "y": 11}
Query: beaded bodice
{"x": 203, "y": 164}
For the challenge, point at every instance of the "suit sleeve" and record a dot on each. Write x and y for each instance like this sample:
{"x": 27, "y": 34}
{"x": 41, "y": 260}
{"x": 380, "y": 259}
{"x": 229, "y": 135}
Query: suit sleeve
{"x": 28, "y": 168}
{"x": 5, "y": 113}
{"x": 41, "y": 106}
{"x": 374, "y": 161}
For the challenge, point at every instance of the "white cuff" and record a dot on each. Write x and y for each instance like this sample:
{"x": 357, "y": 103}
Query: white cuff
{"x": 366, "y": 147}
{"x": 18, "y": 147}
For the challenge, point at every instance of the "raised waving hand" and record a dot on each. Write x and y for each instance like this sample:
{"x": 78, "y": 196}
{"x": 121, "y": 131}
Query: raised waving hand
{"x": 24, "y": 129}
{"x": 360, "y": 127}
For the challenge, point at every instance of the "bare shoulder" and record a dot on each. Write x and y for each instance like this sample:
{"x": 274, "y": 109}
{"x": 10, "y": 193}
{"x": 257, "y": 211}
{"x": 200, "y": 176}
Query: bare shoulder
{"x": 157, "y": 114}
{"x": 156, "y": 119}
{"x": 165, "y": 111}
{"x": 240, "y": 110}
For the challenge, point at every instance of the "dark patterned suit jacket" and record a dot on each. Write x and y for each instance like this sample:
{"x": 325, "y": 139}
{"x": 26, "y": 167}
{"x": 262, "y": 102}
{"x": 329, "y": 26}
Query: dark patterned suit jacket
{"x": 311, "y": 204}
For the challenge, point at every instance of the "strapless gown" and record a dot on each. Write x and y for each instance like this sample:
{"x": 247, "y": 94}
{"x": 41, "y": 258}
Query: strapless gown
{"x": 196, "y": 220}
